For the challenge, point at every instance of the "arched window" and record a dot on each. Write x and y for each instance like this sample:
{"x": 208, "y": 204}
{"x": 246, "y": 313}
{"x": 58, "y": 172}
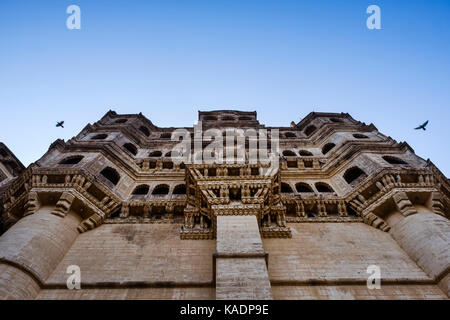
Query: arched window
{"x": 111, "y": 174}
{"x": 179, "y": 189}
{"x": 289, "y": 135}
{"x": 393, "y": 160}
{"x": 289, "y": 153}
{"x": 309, "y": 130}
{"x": 168, "y": 154}
{"x": 326, "y": 148}
{"x": 156, "y": 153}
{"x": 285, "y": 188}
{"x": 360, "y": 136}
{"x": 121, "y": 121}
{"x": 161, "y": 189}
{"x": 141, "y": 190}
{"x": 303, "y": 188}
{"x": 131, "y": 148}
{"x": 144, "y": 130}
{"x": 72, "y": 160}
{"x": 305, "y": 153}
{"x": 323, "y": 187}
{"x": 352, "y": 174}
{"x": 101, "y": 136}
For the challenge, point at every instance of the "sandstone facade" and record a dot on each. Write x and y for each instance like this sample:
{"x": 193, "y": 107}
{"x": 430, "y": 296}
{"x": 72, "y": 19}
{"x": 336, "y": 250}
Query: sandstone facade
{"x": 139, "y": 224}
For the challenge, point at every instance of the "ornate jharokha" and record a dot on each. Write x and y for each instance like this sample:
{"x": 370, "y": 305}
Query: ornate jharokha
{"x": 65, "y": 190}
{"x": 222, "y": 190}
{"x": 124, "y": 186}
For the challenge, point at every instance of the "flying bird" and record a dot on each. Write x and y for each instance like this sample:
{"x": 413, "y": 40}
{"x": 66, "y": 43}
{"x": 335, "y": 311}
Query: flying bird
{"x": 60, "y": 124}
{"x": 422, "y": 126}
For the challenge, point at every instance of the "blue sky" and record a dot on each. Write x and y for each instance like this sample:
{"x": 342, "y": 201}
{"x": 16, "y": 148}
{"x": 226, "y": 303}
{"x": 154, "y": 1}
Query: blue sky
{"x": 168, "y": 59}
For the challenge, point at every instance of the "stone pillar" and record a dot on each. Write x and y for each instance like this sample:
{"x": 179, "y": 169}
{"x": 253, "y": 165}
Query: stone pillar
{"x": 240, "y": 261}
{"x": 31, "y": 249}
{"x": 425, "y": 237}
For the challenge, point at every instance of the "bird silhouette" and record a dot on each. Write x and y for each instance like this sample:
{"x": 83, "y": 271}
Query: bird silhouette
{"x": 60, "y": 124}
{"x": 422, "y": 126}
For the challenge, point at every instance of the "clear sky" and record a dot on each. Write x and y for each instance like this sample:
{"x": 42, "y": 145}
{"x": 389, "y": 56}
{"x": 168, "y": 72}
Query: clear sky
{"x": 168, "y": 59}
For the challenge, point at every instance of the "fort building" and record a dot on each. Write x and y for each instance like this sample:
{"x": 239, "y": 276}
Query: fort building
{"x": 336, "y": 198}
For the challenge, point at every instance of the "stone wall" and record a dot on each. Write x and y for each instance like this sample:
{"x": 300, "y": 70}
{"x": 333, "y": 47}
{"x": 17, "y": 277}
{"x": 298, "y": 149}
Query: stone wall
{"x": 330, "y": 260}
{"x": 357, "y": 292}
{"x": 321, "y": 261}
{"x": 425, "y": 236}
{"x": 151, "y": 253}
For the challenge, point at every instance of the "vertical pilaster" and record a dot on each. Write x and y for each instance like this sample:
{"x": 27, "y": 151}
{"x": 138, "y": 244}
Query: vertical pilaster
{"x": 240, "y": 260}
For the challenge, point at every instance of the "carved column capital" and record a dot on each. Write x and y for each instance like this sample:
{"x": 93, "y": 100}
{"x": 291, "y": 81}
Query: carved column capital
{"x": 342, "y": 209}
{"x": 33, "y": 204}
{"x": 403, "y": 204}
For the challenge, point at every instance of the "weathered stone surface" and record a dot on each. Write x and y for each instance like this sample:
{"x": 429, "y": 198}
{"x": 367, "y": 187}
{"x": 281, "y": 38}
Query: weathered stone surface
{"x": 34, "y": 246}
{"x": 242, "y": 279}
{"x": 17, "y": 284}
{"x": 338, "y": 252}
{"x": 10, "y": 169}
{"x": 129, "y": 294}
{"x": 151, "y": 253}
